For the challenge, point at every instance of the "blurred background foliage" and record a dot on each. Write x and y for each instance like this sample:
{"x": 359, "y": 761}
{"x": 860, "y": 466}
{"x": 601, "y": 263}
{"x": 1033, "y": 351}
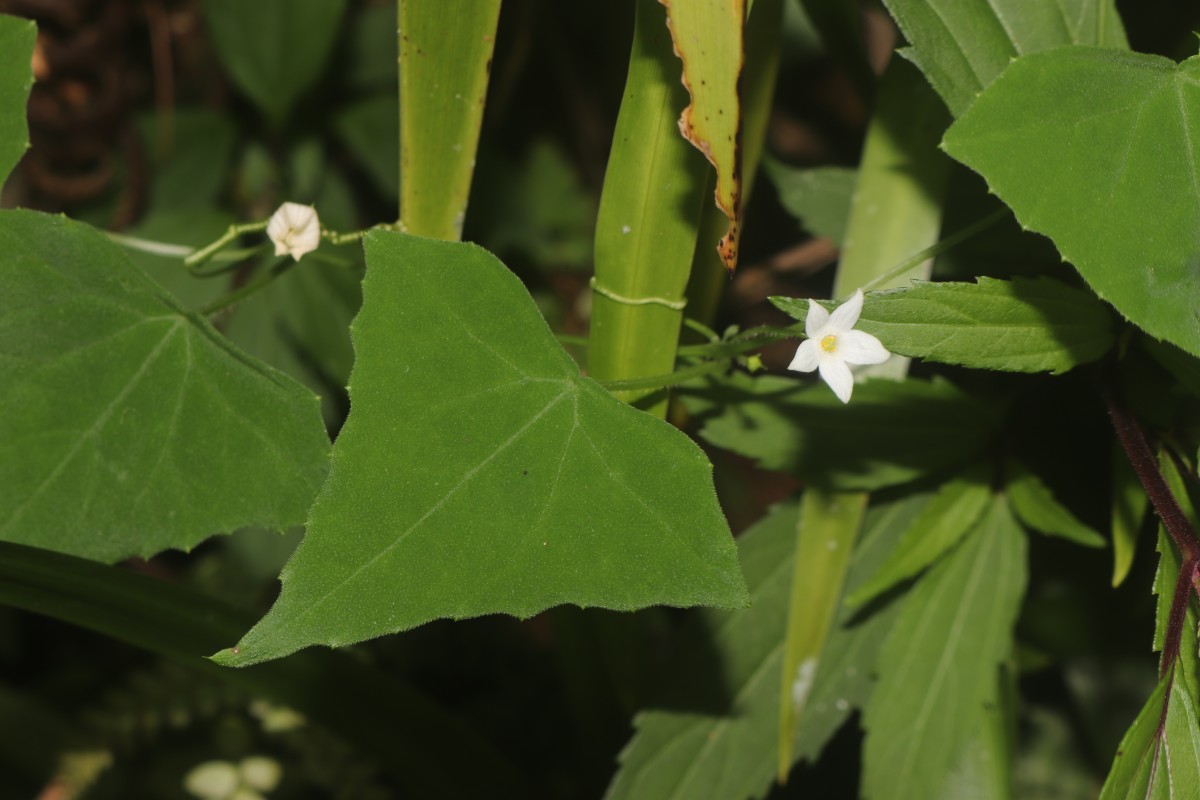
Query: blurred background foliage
{"x": 170, "y": 119}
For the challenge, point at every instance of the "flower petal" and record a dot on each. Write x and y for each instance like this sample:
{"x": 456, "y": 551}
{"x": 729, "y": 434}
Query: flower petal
{"x": 845, "y": 316}
{"x": 808, "y": 356}
{"x": 816, "y": 320}
{"x": 295, "y": 230}
{"x": 857, "y": 347}
{"x": 835, "y": 372}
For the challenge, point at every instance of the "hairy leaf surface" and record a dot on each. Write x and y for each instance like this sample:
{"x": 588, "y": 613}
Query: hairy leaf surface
{"x": 480, "y": 473}
{"x": 17, "y": 38}
{"x": 1035, "y": 505}
{"x": 939, "y": 664}
{"x": 1020, "y": 325}
{"x": 1123, "y": 131}
{"x": 274, "y": 49}
{"x": 128, "y": 425}
{"x": 718, "y": 740}
{"x": 819, "y": 196}
{"x": 951, "y": 514}
{"x": 962, "y": 47}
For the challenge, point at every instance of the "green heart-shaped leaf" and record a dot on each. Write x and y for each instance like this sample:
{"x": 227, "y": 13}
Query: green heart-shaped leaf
{"x": 128, "y": 425}
{"x": 1100, "y": 151}
{"x": 479, "y": 472}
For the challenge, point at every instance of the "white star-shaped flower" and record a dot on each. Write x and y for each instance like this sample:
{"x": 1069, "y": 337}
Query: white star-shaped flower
{"x": 295, "y": 230}
{"x": 833, "y": 344}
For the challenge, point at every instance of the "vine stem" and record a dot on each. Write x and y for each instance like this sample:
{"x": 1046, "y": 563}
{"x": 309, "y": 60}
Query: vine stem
{"x": 234, "y": 231}
{"x": 1179, "y": 528}
{"x": 663, "y": 381}
{"x": 236, "y": 296}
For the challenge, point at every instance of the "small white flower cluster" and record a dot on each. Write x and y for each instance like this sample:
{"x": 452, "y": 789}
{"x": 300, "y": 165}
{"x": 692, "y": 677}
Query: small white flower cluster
{"x": 249, "y": 779}
{"x": 295, "y": 230}
{"x": 833, "y": 344}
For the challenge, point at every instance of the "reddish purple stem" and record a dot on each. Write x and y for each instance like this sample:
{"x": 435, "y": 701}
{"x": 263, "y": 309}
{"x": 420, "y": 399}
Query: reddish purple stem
{"x": 1179, "y": 528}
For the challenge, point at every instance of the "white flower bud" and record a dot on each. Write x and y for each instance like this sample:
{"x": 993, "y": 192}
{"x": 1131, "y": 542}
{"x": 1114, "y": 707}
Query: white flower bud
{"x": 295, "y": 230}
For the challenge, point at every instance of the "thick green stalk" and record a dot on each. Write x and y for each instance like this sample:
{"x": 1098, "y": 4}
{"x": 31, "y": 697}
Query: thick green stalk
{"x": 896, "y": 212}
{"x": 825, "y": 535}
{"x": 445, "y": 58}
{"x": 649, "y": 213}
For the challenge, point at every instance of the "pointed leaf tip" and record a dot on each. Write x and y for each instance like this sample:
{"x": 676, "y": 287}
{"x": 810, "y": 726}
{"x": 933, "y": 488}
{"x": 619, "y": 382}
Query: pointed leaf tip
{"x": 480, "y": 473}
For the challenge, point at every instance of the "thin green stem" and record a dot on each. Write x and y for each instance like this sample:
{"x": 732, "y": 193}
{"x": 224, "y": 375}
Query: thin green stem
{"x": 148, "y": 246}
{"x": 229, "y": 261}
{"x": 572, "y": 341}
{"x": 336, "y": 238}
{"x": 234, "y": 231}
{"x": 743, "y": 342}
{"x": 664, "y": 381}
{"x": 702, "y": 329}
{"x": 936, "y": 249}
{"x": 241, "y": 293}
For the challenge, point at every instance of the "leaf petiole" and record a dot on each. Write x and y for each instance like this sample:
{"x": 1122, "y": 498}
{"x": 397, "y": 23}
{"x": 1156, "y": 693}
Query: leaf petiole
{"x": 671, "y": 379}
{"x": 242, "y": 292}
{"x": 234, "y": 231}
{"x": 936, "y": 249}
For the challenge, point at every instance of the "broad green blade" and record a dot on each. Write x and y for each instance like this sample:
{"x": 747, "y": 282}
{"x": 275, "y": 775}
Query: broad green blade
{"x": 191, "y": 164}
{"x": 646, "y": 226}
{"x": 1036, "y": 506}
{"x": 819, "y": 197}
{"x": 371, "y": 130}
{"x": 274, "y": 49}
{"x": 1160, "y": 758}
{"x": 962, "y": 46}
{"x": 445, "y": 58}
{"x": 1135, "y": 762}
{"x": 128, "y": 425}
{"x": 1120, "y": 128}
{"x": 896, "y": 208}
{"x": 952, "y": 513}
{"x": 825, "y": 540}
{"x": 299, "y": 324}
{"x": 846, "y": 673}
{"x": 892, "y": 433}
{"x": 730, "y": 754}
{"x": 708, "y": 40}
{"x": 1022, "y": 325}
{"x": 480, "y": 473}
{"x": 1169, "y": 567}
{"x": 17, "y": 37}
{"x": 939, "y": 665}
{"x": 984, "y": 768}
{"x": 377, "y": 712}
{"x": 717, "y": 740}
{"x": 1129, "y": 507}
